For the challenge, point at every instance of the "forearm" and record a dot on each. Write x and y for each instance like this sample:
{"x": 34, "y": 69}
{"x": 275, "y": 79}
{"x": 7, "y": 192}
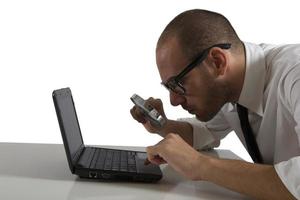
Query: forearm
{"x": 184, "y": 129}
{"x": 255, "y": 180}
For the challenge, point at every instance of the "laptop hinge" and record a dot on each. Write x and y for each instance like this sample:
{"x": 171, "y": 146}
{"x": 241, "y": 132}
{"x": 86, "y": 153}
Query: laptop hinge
{"x": 77, "y": 156}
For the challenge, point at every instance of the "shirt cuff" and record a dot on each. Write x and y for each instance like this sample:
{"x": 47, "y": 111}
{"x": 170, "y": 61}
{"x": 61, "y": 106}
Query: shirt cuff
{"x": 203, "y": 139}
{"x": 288, "y": 172}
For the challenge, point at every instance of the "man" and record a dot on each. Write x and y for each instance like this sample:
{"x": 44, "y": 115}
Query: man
{"x": 227, "y": 85}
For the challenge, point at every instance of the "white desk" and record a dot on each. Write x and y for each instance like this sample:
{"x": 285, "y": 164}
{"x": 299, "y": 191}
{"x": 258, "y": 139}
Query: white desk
{"x": 40, "y": 171}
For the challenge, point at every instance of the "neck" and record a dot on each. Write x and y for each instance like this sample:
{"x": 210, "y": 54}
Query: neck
{"x": 239, "y": 75}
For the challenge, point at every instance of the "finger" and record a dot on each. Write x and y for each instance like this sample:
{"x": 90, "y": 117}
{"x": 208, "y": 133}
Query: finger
{"x": 149, "y": 103}
{"x": 147, "y": 162}
{"x": 157, "y": 104}
{"x": 138, "y": 115}
{"x": 153, "y": 102}
{"x": 153, "y": 155}
{"x": 157, "y": 160}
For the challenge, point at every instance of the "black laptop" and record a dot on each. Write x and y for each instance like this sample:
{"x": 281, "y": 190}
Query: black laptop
{"x": 94, "y": 162}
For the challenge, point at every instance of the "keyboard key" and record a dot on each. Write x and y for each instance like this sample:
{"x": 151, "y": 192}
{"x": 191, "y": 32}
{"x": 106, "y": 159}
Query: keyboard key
{"x": 131, "y": 161}
{"x": 131, "y": 168}
{"x": 107, "y": 166}
{"x": 116, "y": 160}
{"x": 101, "y": 159}
{"x": 123, "y": 156}
{"x": 115, "y": 168}
{"x": 95, "y": 158}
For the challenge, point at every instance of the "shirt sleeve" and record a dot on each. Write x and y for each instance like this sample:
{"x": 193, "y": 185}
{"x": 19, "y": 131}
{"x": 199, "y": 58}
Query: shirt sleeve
{"x": 289, "y": 171}
{"x": 207, "y": 135}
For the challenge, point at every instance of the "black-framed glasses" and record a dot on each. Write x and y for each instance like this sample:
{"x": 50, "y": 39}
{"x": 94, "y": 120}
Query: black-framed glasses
{"x": 173, "y": 84}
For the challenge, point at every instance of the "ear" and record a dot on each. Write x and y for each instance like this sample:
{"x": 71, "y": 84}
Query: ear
{"x": 218, "y": 60}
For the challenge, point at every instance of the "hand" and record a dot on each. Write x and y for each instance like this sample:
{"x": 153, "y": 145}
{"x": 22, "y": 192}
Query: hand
{"x": 138, "y": 115}
{"x": 178, "y": 154}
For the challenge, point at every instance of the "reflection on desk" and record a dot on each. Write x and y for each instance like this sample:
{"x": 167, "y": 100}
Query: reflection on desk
{"x": 40, "y": 171}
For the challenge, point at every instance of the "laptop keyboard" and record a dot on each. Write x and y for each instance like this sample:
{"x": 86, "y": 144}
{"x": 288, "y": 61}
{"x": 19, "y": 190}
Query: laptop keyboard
{"x": 115, "y": 160}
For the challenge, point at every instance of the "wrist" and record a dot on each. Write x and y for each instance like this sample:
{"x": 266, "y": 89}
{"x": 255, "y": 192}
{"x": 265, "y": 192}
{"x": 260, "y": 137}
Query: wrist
{"x": 165, "y": 129}
{"x": 204, "y": 164}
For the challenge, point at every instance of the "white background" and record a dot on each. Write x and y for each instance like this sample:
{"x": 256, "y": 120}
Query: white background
{"x": 105, "y": 51}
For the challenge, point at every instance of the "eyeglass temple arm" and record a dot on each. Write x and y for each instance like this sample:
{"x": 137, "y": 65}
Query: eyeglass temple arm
{"x": 201, "y": 58}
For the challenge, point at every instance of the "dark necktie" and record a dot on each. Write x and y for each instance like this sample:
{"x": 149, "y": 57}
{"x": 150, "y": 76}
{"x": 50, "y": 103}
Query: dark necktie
{"x": 248, "y": 134}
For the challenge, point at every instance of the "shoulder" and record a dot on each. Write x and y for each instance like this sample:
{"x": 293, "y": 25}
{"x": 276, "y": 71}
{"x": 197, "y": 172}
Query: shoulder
{"x": 282, "y": 55}
{"x": 289, "y": 85}
{"x": 282, "y": 64}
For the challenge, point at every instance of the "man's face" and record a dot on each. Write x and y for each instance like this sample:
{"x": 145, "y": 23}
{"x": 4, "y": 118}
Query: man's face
{"x": 204, "y": 94}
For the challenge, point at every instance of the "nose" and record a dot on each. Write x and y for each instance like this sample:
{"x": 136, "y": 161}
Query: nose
{"x": 176, "y": 99}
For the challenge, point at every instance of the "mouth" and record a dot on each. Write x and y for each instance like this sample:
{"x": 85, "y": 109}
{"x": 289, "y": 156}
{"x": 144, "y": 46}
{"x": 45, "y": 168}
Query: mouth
{"x": 190, "y": 110}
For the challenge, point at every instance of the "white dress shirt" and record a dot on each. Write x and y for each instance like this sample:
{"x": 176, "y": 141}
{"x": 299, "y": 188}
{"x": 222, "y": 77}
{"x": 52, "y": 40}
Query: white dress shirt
{"x": 271, "y": 92}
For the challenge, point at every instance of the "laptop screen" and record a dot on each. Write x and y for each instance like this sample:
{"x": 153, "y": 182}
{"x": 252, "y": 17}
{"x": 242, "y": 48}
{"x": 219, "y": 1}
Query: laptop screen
{"x": 69, "y": 124}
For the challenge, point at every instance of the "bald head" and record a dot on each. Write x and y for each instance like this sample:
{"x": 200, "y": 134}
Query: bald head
{"x": 197, "y": 29}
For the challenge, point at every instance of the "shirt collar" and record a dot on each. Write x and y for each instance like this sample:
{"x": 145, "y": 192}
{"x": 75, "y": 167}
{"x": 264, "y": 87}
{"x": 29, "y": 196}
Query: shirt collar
{"x": 251, "y": 95}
